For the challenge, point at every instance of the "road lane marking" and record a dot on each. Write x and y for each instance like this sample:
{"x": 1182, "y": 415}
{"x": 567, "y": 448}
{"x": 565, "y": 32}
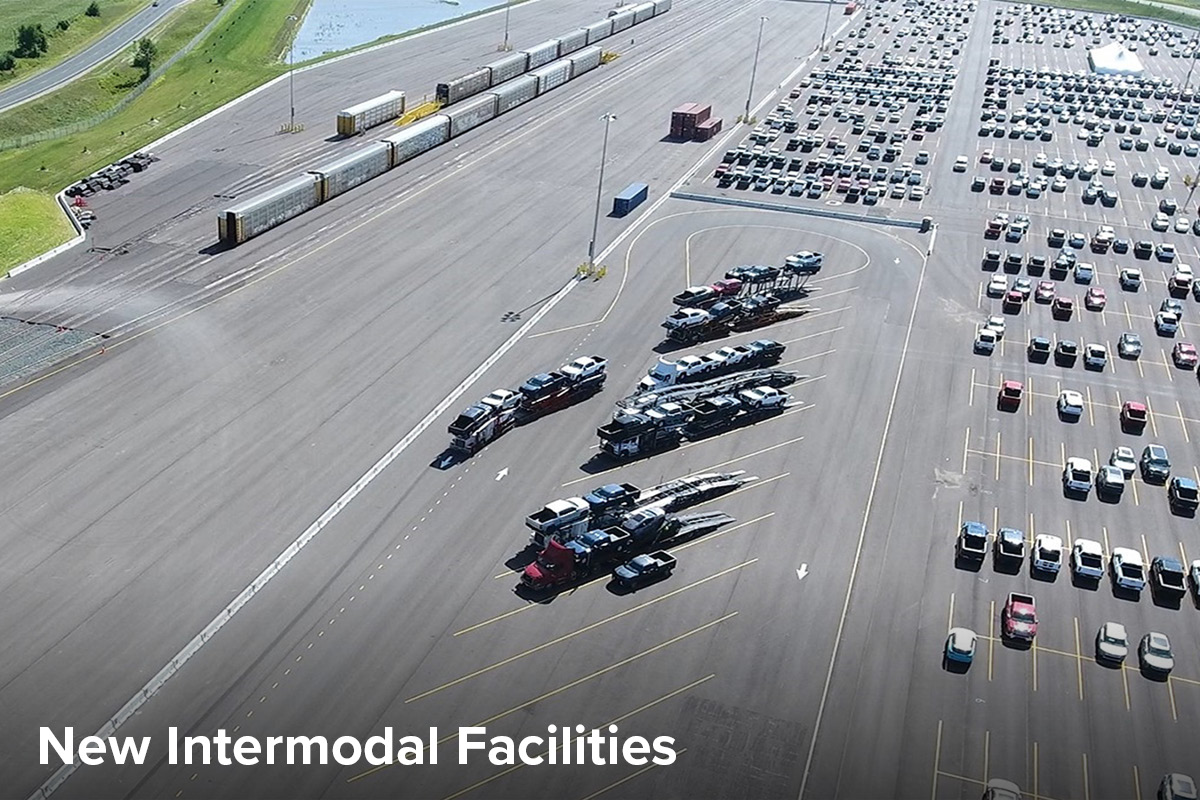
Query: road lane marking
{"x": 622, "y": 781}
{"x": 1182, "y": 424}
{"x": 991, "y": 636}
{"x": 966, "y": 449}
{"x": 1035, "y": 772}
{"x": 998, "y": 456}
{"x": 1171, "y": 694}
{"x": 862, "y": 533}
{"x": 1087, "y": 792}
{"x": 565, "y": 687}
{"x": 971, "y": 396}
{"x": 937, "y": 759}
{"x": 1078, "y": 659}
{"x": 987, "y": 750}
{"x": 1137, "y": 784}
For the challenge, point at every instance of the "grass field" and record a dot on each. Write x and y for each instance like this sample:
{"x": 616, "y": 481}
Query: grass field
{"x": 103, "y": 88}
{"x": 1134, "y": 8}
{"x": 82, "y": 31}
{"x": 31, "y": 220}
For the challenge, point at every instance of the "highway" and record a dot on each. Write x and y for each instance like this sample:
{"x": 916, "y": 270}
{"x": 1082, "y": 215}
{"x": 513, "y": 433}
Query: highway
{"x": 82, "y": 62}
{"x": 243, "y": 392}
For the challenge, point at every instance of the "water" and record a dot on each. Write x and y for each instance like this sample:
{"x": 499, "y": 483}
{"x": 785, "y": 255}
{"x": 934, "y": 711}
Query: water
{"x": 333, "y": 25}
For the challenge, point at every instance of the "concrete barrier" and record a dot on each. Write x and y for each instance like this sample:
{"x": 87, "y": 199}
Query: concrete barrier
{"x": 764, "y": 205}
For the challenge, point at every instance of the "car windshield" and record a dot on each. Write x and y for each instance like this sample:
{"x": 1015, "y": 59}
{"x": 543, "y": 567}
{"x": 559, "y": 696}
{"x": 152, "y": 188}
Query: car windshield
{"x": 1131, "y": 570}
{"x": 1046, "y": 554}
{"x": 1158, "y": 647}
{"x": 1112, "y": 638}
{"x": 1020, "y": 615}
{"x": 1089, "y": 560}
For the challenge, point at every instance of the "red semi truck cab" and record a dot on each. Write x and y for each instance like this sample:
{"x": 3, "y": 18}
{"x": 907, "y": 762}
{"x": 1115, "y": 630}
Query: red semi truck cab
{"x": 1020, "y": 617}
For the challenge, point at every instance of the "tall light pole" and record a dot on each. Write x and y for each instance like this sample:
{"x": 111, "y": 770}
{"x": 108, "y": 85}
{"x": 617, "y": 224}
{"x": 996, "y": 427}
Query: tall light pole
{"x": 825, "y": 30}
{"x": 292, "y": 73}
{"x": 754, "y": 69}
{"x": 608, "y": 119}
{"x": 1188, "y": 80}
{"x": 507, "y": 7}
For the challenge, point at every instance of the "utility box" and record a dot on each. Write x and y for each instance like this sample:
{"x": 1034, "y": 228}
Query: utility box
{"x": 630, "y": 198}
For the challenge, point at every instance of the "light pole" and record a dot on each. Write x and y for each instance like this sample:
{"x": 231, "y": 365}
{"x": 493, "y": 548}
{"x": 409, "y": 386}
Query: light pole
{"x": 754, "y": 69}
{"x": 825, "y": 30}
{"x": 291, "y": 73}
{"x": 507, "y": 7}
{"x": 608, "y": 119}
{"x": 1188, "y": 80}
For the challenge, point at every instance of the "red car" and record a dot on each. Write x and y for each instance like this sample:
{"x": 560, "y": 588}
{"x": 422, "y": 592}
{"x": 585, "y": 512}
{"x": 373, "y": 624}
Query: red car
{"x": 1133, "y": 415}
{"x": 1010, "y": 395}
{"x": 1063, "y": 307}
{"x": 1095, "y": 298}
{"x": 1045, "y": 292}
{"x": 1184, "y": 355}
{"x": 728, "y": 287}
{"x": 1013, "y": 299}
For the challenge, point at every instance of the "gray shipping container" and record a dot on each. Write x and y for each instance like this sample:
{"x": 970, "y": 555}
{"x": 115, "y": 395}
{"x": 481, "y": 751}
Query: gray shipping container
{"x": 642, "y": 12}
{"x": 543, "y": 53}
{"x": 471, "y": 113}
{"x": 370, "y": 113}
{"x": 358, "y": 167}
{"x": 572, "y": 41}
{"x": 265, "y": 211}
{"x": 508, "y": 67}
{"x": 599, "y": 30}
{"x": 584, "y": 60}
{"x": 464, "y": 86}
{"x": 552, "y": 75}
{"x": 418, "y": 137}
{"x": 622, "y": 20}
{"x": 517, "y": 91}
{"x": 660, "y": 6}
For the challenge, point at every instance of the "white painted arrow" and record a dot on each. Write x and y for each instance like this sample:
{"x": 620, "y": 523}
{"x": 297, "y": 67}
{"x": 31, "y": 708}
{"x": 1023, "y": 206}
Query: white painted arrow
{"x": 500, "y": 475}
{"x": 800, "y": 573}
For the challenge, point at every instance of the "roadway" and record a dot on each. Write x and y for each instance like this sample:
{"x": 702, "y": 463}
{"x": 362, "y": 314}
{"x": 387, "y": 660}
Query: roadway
{"x": 85, "y": 60}
{"x": 263, "y": 397}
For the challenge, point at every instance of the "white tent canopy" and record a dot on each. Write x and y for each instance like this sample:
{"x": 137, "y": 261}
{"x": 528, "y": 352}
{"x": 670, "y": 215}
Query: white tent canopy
{"x": 1114, "y": 59}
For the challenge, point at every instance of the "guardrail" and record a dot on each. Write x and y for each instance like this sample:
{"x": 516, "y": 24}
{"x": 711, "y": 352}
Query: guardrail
{"x": 764, "y": 205}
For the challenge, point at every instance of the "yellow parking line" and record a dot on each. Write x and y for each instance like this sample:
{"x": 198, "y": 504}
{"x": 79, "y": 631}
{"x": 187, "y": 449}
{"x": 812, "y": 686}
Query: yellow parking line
{"x": 1183, "y": 556}
{"x": 1171, "y": 693}
{"x": 1183, "y": 424}
{"x": 1125, "y": 681}
{"x": 997, "y": 455}
{"x": 991, "y": 636}
{"x": 995, "y": 518}
{"x": 1033, "y": 648}
{"x": 1150, "y": 414}
{"x": 1035, "y": 771}
{"x": 1137, "y": 784}
{"x": 1031, "y": 461}
{"x": 987, "y": 747}
{"x": 1091, "y": 415}
{"x": 1166, "y": 365}
{"x": 966, "y": 445}
{"x": 950, "y": 621}
{"x": 1087, "y": 792}
{"x": 971, "y": 396}
{"x": 626, "y": 779}
{"x": 1145, "y": 551}
{"x": 958, "y": 527}
{"x": 1133, "y": 483}
{"x": 937, "y": 760}
{"x": 1078, "y": 659}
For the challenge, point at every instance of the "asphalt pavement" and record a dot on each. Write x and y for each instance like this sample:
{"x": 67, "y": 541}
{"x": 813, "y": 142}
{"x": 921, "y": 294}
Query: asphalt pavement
{"x": 243, "y": 391}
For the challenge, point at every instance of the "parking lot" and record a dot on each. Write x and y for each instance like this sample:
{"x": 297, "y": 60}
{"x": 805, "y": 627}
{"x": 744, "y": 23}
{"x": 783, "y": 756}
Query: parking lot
{"x": 1012, "y": 126}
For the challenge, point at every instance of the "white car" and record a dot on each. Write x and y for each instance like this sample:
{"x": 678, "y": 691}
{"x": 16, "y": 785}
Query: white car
{"x": 805, "y": 259}
{"x": 997, "y": 286}
{"x": 961, "y": 645}
{"x": 1077, "y": 475}
{"x": 1155, "y": 652}
{"x": 1128, "y": 569}
{"x": 1112, "y": 643}
{"x": 985, "y": 340}
{"x": 1110, "y": 480}
{"x": 1087, "y": 559}
{"x": 1123, "y": 459}
{"x": 1059, "y": 184}
{"x": 1182, "y": 224}
{"x": 1070, "y": 403}
{"x": 1108, "y": 168}
{"x": 1047, "y": 552}
{"x": 996, "y": 324}
{"x": 1160, "y": 223}
{"x": 1095, "y": 356}
{"x": 960, "y": 164}
{"x": 1166, "y": 323}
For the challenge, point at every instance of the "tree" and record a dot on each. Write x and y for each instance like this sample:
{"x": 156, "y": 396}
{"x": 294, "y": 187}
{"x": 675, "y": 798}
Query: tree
{"x": 7, "y": 62}
{"x": 93, "y": 10}
{"x": 31, "y": 41}
{"x": 63, "y": 24}
{"x": 147, "y": 51}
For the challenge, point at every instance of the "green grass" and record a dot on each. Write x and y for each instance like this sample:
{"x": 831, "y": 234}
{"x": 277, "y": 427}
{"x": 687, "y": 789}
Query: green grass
{"x": 1127, "y": 7}
{"x": 33, "y": 223}
{"x": 83, "y": 30}
{"x": 103, "y": 88}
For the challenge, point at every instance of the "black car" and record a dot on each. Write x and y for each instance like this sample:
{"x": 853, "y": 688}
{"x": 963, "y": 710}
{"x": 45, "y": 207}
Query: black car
{"x": 1120, "y": 245}
{"x": 1066, "y": 352}
{"x": 1143, "y": 249}
{"x": 1039, "y": 349}
{"x": 757, "y": 273}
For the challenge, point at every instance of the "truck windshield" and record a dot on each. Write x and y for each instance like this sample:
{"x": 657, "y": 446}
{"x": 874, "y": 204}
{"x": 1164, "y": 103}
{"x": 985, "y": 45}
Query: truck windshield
{"x": 1021, "y": 615}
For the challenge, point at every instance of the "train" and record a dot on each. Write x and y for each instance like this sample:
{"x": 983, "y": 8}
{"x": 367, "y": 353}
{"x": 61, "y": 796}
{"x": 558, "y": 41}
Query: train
{"x": 468, "y": 101}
